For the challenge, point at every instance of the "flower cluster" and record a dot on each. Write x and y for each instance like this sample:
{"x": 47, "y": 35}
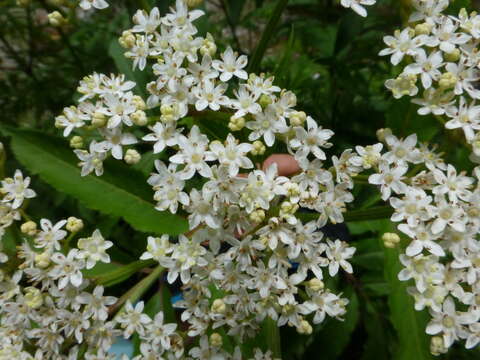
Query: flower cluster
{"x": 14, "y": 192}
{"x": 248, "y": 254}
{"x": 438, "y": 210}
{"x": 441, "y": 56}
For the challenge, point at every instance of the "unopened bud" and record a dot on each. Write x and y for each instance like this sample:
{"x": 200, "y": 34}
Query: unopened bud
{"x": 258, "y": 148}
{"x": 390, "y": 240}
{"x": 304, "y": 328}
{"x": 42, "y": 260}
{"x": 132, "y": 157}
{"x": 382, "y": 134}
{"x": 236, "y": 124}
{"x": 316, "y": 284}
{"x": 297, "y": 118}
{"x": 33, "y": 297}
{"x": 257, "y": 216}
{"x": 423, "y": 29}
{"x": 29, "y": 228}
{"x": 99, "y": 119}
{"x": 216, "y": 340}
{"x": 139, "y": 118}
{"x": 447, "y": 80}
{"x": 127, "y": 40}
{"x": 56, "y": 19}
{"x": 208, "y": 46}
{"x": 139, "y": 102}
{"x": 437, "y": 346}
{"x": 218, "y": 306}
{"x": 76, "y": 142}
{"x": 453, "y": 56}
{"x": 265, "y": 100}
{"x": 74, "y": 224}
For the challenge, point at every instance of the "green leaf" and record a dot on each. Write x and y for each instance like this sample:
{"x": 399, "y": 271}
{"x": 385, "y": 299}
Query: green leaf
{"x": 111, "y": 274}
{"x": 119, "y": 192}
{"x": 266, "y": 36}
{"x": 409, "y": 324}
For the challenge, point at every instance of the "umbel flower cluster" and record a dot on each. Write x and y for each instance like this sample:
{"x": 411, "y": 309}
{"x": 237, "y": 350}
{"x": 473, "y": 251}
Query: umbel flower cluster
{"x": 247, "y": 255}
{"x": 442, "y": 59}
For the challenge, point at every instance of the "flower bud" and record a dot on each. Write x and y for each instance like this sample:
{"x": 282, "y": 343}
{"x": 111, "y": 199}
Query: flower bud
{"x": 33, "y": 297}
{"x": 383, "y": 133}
{"x": 208, "y": 46}
{"x": 236, "y": 124}
{"x": 265, "y": 100}
{"x": 390, "y": 240}
{"x": 454, "y": 56}
{"x": 297, "y": 118}
{"x": 42, "y": 260}
{"x": 258, "y": 148}
{"x": 56, "y": 19}
{"x": 132, "y": 157}
{"x": 99, "y": 119}
{"x": 139, "y": 102}
{"x": 139, "y": 118}
{"x": 423, "y": 29}
{"x": 447, "y": 80}
{"x": 257, "y": 216}
{"x": 437, "y": 346}
{"x": 218, "y": 306}
{"x": 74, "y": 224}
{"x": 216, "y": 340}
{"x": 29, "y": 228}
{"x": 76, "y": 142}
{"x": 127, "y": 40}
{"x": 304, "y": 328}
{"x": 316, "y": 285}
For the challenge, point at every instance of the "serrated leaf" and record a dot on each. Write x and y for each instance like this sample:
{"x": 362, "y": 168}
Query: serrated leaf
{"x": 120, "y": 191}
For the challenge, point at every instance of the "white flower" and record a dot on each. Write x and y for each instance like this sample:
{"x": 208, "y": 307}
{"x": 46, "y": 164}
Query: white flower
{"x": 158, "y": 248}
{"x": 97, "y": 4}
{"x": 96, "y": 305}
{"x": 426, "y": 67}
{"x": 193, "y": 153}
{"x": 16, "y": 190}
{"x": 159, "y": 333}
{"x": 413, "y": 208}
{"x": 119, "y": 108}
{"x": 356, "y": 5}
{"x": 145, "y": 22}
{"x": 246, "y": 102}
{"x": 446, "y": 37}
{"x": 139, "y": 52}
{"x": 168, "y": 188}
{"x": 186, "y": 254}
{"x": 310, "y": 141}
{"x": 232, "y": 154}
{"x": 338, "y": 253}
{"x": 209, "y": 95}
{"x": 50, "y": 235}
{"x": 448, "y": 214}
{"x": 133, "y": 319}
{"x": 449, "y": 322}
{"x": 231, "y": 65}
{"x": 71, "y": 119}
{"x": 90, "y": 161}
{"x": 423, "y": 238}
{"x": 67, "y": 269}
{"x": 114, "y": 140}
{"x": 93, "y": 249}
{"x": 202, "y": 210}
{"x": 267, "y": 124}
{"x": 163, "y": 136}
{"x": 322, "y": 304}
{"x": 466, "y": 117}
{"x": 402, "y": 151}
{"x": 368, "y": 156}
{"x": 401, "y": 44}
{"x": 455, "y": 186}
{"x": 389, "y": 179}
{"x": 180, "y": 17}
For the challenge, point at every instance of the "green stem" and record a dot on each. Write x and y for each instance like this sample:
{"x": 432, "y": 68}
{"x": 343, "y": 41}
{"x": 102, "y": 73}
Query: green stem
{"x": 121, "y": 274}
{"x": 373, "y": 213}
{"x": 266, "y": 36}
{"x": 136, "y": 292}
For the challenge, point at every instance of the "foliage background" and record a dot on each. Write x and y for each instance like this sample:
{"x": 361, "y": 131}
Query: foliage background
{"x": 324, "y": 53}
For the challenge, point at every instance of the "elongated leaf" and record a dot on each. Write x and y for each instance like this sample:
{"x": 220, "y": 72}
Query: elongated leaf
{"x": 116, "y": 274}
{"x": 267, "y": 35}
{"x": 119, "y": 192}
{"x": 410, "y": 324}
